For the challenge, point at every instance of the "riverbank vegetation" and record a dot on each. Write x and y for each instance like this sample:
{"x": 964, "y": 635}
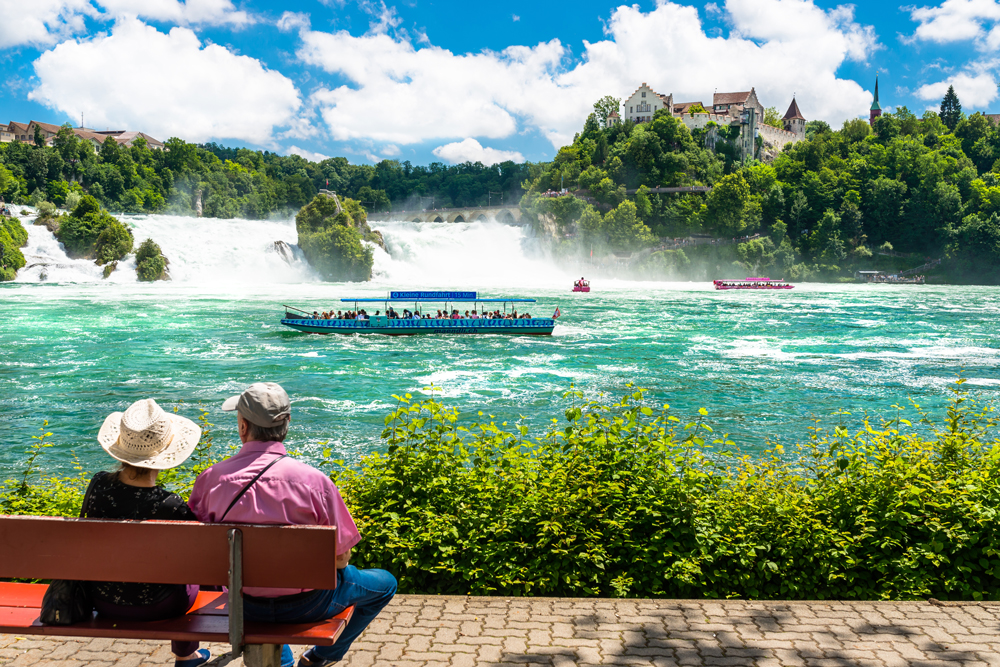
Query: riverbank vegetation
{"x": 13, "y": 237}
{"x": 625, "y": 498}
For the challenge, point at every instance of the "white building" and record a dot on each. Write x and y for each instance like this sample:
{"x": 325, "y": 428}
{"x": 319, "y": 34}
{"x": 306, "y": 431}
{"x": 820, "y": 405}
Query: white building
{"x": 644, "y": 102}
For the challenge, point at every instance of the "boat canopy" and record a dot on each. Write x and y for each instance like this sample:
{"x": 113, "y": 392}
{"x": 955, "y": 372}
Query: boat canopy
{"x": 430, "y": 297}
{"x": 440, "y": 300}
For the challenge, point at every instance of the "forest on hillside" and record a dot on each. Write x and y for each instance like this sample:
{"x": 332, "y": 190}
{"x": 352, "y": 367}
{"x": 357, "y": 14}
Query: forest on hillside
{"x": 234, "y": 182}
{"x": 919, "y": 187}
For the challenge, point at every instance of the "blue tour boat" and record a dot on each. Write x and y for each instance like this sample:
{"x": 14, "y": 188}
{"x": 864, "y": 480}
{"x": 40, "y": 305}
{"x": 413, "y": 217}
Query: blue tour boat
{"x": 389, "y": 322}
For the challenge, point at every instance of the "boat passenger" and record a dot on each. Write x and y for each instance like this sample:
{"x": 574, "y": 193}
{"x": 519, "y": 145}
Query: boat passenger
{"x": 315, "y": 315}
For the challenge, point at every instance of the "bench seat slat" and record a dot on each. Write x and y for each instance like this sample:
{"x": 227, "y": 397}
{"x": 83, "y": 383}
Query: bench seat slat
{"x": 207, "y": 621}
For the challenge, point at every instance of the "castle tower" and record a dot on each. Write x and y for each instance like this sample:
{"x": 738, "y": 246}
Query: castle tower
{"x": 876, "y": 109}
{"x": 794, "y": 121}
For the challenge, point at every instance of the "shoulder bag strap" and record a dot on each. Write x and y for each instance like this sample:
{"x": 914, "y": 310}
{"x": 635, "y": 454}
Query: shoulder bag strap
{"x": 247, "y": 487}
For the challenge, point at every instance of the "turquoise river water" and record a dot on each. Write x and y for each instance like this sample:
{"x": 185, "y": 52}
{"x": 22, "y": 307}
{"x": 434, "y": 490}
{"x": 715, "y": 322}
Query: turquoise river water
{"x": 74, "y": 348}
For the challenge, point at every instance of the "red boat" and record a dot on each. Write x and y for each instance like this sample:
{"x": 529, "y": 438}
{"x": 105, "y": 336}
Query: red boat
{"x": 581, "y": 285}
{"x": 751, "y": 283}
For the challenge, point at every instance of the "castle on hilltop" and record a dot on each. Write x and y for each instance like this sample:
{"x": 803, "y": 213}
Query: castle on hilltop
{"x": 739, "y": 109}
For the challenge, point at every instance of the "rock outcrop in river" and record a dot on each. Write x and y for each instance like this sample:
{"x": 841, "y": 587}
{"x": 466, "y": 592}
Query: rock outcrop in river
{"x": 331, "y": 235}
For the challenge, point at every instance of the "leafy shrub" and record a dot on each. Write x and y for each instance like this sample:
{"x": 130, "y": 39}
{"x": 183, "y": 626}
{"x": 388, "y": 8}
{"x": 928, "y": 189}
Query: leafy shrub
{"x": 13, "y": 237}
{"x": 90, "y": 232}
{"x": 332, "y": 240}
{"x": 114, "y": 242}
{"x": 150, "y": 263}
{"x": 625, "y": 499}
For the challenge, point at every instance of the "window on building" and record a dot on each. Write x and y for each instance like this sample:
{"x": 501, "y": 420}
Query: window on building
{"x": 644, "y": 93}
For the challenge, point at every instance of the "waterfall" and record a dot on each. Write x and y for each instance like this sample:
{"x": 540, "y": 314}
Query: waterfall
{"x": 200, "y": 250}
{"x": 214, "y": 251}
{"x": 462, "y": 254}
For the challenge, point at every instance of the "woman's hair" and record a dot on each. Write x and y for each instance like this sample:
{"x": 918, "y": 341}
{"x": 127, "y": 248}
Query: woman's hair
{"x": 133, "y": 472}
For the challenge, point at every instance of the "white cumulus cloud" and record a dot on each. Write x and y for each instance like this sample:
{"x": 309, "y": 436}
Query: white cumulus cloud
{"x": 41, "y": 22}
{"x": 45, "y": 22}
{"x": 974, "y": 88}
{"x": 958, "y": 20}
{"x": 165, "y": 84}
{"x": 403, "y": 92}
{"x": 307, "y": 154}
{"x": 471, "y": 150}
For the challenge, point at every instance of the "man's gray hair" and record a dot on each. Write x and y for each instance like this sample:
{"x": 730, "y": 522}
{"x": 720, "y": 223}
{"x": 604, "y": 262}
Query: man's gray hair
{"x": 265, "y": 434}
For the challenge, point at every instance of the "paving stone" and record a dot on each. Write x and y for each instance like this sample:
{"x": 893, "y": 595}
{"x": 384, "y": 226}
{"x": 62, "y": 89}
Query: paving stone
{"x": 458, "y": 631}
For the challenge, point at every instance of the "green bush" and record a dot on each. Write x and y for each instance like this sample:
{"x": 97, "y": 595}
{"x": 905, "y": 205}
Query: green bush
{"x": 332, "y": 241}
{"x": 13, "y": 237}
{"x": 150, "y": 263}
{"x": 89, "y": 232}
{"x": 625, "y": 499}
{"x": 114, "y": 242}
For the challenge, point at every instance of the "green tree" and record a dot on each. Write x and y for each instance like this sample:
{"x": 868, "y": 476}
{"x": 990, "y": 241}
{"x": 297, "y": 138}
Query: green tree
{"x": 604, "y": 106}
{"x": 726, "y": 203}
{"x": 332, "y": 239}
{"x": 624, "y": 230}
{"x": 951, "y": 109}
{"x": 697, "y": 107}
{"x": 150, "y": 262}
{"x": 39, "y": 138}
{"x": 773, "y": 118}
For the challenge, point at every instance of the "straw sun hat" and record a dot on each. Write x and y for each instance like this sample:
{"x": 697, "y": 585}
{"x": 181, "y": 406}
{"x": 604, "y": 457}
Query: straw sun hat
{"x": 148, "y": 437}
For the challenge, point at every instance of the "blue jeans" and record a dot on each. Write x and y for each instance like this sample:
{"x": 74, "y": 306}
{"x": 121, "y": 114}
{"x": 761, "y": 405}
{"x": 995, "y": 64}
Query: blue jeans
{"x": 368, "y": 590}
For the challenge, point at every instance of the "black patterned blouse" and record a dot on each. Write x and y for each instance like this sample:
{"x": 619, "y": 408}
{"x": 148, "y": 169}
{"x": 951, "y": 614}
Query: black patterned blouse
{"x": 111, "y": 499}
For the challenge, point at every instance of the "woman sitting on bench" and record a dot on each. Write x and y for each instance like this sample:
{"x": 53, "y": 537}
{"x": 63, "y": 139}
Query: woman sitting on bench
{"x": 146, "y": 440}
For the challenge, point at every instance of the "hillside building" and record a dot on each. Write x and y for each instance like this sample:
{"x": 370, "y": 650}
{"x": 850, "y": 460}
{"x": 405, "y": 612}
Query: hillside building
{"x": 6, "y": 136}
{"x": 740, "y": 109}
{"x": 794, "y": 121}
{"x": 643, "y": 103}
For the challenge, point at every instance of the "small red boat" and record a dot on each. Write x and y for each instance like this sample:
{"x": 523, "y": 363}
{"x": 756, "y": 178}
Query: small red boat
{"x": 581, "y": 285}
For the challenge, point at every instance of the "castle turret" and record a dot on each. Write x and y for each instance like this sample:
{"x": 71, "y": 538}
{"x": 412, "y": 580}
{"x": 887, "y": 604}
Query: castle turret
{"x": 794, "y": 121}
{"x": 876, "y": 110}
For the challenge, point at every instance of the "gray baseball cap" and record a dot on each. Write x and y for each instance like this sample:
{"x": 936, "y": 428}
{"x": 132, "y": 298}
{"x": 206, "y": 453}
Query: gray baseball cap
{"x": 263, "y": 403}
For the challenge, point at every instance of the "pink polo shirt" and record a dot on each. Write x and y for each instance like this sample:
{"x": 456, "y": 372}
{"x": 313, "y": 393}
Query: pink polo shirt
{"x": 289, "y": 493}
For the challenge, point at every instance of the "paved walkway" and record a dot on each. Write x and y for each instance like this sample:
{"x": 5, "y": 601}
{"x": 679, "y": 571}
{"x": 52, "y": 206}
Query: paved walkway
{"x": 417, "y": 631}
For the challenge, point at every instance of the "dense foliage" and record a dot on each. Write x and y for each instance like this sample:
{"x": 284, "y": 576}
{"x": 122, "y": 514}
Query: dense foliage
{"x": 92, "y": 233}
{"x": 824, "y": 207}
{"x": 233, "y": 182}
{"x": 625, "y": 499}
{"x": 150, "y": 264}
{"x": 13, "y": 237}
{"x": 331, "y": 232}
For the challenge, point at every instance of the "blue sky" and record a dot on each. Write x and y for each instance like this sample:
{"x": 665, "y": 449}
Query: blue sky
{"x": 447, "y": 81}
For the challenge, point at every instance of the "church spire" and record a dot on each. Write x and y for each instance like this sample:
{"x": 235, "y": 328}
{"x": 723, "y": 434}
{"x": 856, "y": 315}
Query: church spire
{"x": 876, "y": 109}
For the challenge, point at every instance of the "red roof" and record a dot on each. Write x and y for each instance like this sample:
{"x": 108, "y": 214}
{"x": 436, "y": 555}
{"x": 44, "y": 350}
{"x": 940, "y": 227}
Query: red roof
{"x": 731, "y": 98}
{"x": 793, "y": 112}
{"x": 48, "y": 127}
{"x": 682, "y": 107}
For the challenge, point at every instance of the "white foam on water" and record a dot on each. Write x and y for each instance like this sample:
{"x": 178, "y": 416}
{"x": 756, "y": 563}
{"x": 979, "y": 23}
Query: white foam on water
{"x": 470, "y": 255}
{"x": 200, "y": 250}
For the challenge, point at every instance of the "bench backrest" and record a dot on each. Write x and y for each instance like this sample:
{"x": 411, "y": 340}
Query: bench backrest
{"x": 165, "y": 552}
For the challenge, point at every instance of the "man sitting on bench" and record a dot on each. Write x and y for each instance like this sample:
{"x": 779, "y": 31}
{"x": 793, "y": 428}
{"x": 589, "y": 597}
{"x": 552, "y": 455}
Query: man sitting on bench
{"x": 262, "y": 485}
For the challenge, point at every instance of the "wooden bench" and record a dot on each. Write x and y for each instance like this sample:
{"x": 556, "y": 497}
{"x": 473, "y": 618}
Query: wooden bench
{"x": 171, "y": 552}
